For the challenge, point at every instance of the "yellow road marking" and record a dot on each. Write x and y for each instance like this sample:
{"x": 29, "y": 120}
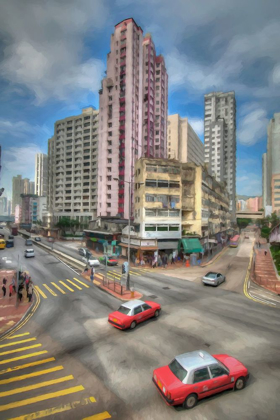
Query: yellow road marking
{"x": 40, "y": 291}
{"x": 96, "y": 282}
{"x": 54, "y": 410}
{"x": 101, "y": 416}
{"x": 18, "y": 335}
{"x": 81, "y": 282}
{"x": 73, "y": 284}
{"x": 35, "y": 386}
{"x": 65, "y": 285}
{"x": 58, "y": 288}
{"x": 49, "y": 289}
{"x": 30, "y": 375}
{"x": 27, "y": 365}
{"x": 134, "y": 273}
{"x": 25, "y": 356}
{"x": 43, "y": 397}
{"x": 21, "y": 349}
{"x": 116, "y": 274}
{"x": 17, "y": 342}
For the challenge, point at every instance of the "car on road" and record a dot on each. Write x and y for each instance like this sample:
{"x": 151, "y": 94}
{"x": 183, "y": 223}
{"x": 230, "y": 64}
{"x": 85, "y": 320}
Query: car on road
{"x": 28, "y": 242}
{"x": 11, "y": 237}
{"x": 91, "y": 261}
{"x": 84, "y": 251}
{"x": 110, "y": 260}
{"x": 213, "y": 279}
{"x": 133, "y": 312}
{"x": 196, "y": 375}
{"x": 9, "y": 243}
{"x": 37, "y": 239}
{"x": 29, "y": 253}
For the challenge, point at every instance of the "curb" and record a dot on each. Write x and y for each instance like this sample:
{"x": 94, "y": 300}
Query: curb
{"x": 27, "y": 314}
{"x": 215, "y": 258}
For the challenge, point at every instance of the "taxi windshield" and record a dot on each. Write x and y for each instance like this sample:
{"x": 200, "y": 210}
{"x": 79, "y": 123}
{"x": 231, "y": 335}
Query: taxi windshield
{"x": 178, "y": 370}
{"x": 124, "y": 310}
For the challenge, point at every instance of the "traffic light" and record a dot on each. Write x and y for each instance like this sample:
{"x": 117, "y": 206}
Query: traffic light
{"x": 123, "y": 269}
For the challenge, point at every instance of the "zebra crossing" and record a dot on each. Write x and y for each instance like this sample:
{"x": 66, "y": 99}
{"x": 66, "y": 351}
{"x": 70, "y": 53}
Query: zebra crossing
{"x": 61, "y": 287}
{"x": 114, "y": 275}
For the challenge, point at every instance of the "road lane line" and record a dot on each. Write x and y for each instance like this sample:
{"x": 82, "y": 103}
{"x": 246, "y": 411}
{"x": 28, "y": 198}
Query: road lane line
{"x": 27, "y": 365}
{"x": 17, "y": 342}
{"x": 65, "y": 285}
{"x": 73, "y": 284}
{"x": 81, "y": 283}
{"x": 40, "y": 398}
{"x": 30, "y": 375}
{"x": 41, "y": 292}
{"x": 18, "y": 335}
{"x": 101, "y": 416}
{"x": 55, "y": 410}
{"x": 21, "y": 349}
{"x": 262, "y": 300}
{"x": 96, "y": 282}
{"x": 49, "y": 289}
{"x": 58, "y": 288}
{"x": 36, "y": 386}
{"x": 25, "y": 356}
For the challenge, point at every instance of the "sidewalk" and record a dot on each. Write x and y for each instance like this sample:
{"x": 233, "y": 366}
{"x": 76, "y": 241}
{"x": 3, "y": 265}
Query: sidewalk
{"x": 264, "y": 274}
{"x": 9, "y": 314}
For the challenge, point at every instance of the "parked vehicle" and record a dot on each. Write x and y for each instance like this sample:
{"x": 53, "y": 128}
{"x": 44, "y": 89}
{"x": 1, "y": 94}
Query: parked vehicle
{"x": 213, "y": 279}
{"x": 9, "y": 243}
{"x": 2, "y": 243}
{"x": 196, "y": 375}
{"x": 234, "y": 241}
{"x": 93, "y": 262}
{"x": 133, "y": 312}
{"x": 37, "y": 239}
{"x": 110, "y": 260}
{"x": 84, "y": 251}
{"x": 29, "y": 253}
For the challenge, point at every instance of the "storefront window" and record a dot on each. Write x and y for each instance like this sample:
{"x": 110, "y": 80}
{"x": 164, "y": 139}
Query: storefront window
{"x": 150, "y": 228}
{"x": 174, "y": 228}
{"x": 162, "y": 228}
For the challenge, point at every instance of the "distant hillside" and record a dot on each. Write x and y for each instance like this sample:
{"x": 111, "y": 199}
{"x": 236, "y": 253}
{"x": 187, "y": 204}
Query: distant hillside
{"x": 245, "y": 197}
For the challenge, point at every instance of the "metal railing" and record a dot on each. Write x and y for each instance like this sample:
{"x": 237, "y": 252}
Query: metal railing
{"x": 115, "y": 285}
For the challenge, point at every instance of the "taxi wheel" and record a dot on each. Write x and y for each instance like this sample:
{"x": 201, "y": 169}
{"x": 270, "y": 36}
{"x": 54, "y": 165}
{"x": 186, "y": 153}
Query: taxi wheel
{"x": 132, "y": 325}
{"x": 190, "y": 401}
{"x": 156, "y": 313}
{"x": 239, "y": 384}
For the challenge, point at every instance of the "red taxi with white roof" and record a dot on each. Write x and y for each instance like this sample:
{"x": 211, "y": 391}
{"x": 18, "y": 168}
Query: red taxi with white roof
{"x": 133, "y": 312}
{"x": 196, "y": 375}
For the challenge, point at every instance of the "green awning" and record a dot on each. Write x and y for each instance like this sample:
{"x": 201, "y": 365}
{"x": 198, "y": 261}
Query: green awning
{"x": 190, "y": 245}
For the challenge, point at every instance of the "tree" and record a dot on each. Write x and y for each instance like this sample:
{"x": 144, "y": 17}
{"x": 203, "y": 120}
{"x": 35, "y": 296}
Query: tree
{"x": 63, "y": 224}
{"x": 243, "y": 223}
{"x": 74, "y": 224}
{"x": 274, "y": 220}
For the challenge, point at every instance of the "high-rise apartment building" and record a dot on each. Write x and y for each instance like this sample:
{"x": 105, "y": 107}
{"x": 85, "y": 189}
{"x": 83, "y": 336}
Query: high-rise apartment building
{"x": 133, "y": 115}
{"x": 18, "y": 189}
{"x": 271, "y": 171}
{"x": 183, "y": 143}
{"x": 265, "y": 185}
{"x": 73, "y": 163}
{"x": 41, "y": 174}
{"x": 220, "y": 139}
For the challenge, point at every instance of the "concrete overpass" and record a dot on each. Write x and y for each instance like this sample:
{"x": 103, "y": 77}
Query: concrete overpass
{"x": 248, "y": 214}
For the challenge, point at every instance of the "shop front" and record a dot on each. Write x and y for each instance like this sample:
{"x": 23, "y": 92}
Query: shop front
{"x": 141, "y": 251}
{"x": 103, "y": 242}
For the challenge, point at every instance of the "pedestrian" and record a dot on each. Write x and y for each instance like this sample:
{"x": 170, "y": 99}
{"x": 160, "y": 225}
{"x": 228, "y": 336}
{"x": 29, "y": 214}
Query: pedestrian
{"x": 92, "y": 272}
{"x": 86, "y": 269}
{"x": 4, "y": 289}
{"x": 265, "y": 252}
{"x": 14, "y": 284}
{"x": 20, "y": 293}
{"x": 27, "y": 280}
{"x": 11, "y": 290}
{"x": 172, "y": 260}
{"x": 30, "y": 291}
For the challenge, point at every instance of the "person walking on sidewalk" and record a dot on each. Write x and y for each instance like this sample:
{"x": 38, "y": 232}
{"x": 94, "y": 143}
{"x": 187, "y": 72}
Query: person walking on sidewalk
{"x": 30, "y": 291}
{"x": 265, "y": 252}
{"x": 27, "y": 281}
{"x": 14, "y": 283}
{"x": 4, "y": 286}
{"x": 11, "y": 289}
{"x": 92, "y": 271}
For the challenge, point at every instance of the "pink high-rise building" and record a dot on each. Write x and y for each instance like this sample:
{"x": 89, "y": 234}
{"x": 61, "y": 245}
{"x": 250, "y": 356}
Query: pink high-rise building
{"x": 132, "y": 103}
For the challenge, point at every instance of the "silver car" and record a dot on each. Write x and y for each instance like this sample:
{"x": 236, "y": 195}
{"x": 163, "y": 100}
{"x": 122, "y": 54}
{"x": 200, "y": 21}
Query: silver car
{"x": 29, "y": 253}
{"x": 213, "y": 279}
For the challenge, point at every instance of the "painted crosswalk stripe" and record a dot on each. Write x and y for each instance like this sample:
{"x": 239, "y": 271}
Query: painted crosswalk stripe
{"x": 134, "y": 273}
{"x": 96, "y": 282}
{"x": 43, "y": 397}
{"x": 17, "y": 342}
{"x": 36, "y": 386}
{"x": 30, "y": 375}
{"x": 101, "y": 416}
{"x": 55, "y": 410}
{"x": 65, "y": 285}
{"x": 3, "y": 353}
{"x": 25, "y": 356}
{"x": 18, "y": 335}
{"x": 73, "y": 284}
{"x": 41, "y": 292}
{"x": 79, "y": 281}
{"x": 49, "y": 289}
{"x": 27, "y": 365}
{"x": 58, "y": 288}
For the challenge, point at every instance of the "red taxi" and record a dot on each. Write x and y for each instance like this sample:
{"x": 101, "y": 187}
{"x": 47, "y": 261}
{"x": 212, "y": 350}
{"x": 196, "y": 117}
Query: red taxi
{"x": 196, "y": 375}
{"x": 132, "y": 313}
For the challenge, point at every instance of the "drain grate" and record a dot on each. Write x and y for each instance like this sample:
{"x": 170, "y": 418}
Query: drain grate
{"x": 152, "y": 296}
{"x": 166, "y": 288}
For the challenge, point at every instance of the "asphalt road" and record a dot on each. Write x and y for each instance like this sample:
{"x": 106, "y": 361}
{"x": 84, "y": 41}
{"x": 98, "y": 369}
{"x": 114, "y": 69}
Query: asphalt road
{"x": 115, "y": 367}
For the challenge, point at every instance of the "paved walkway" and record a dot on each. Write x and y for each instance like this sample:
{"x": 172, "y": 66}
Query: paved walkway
{"x": 265, "y": 274}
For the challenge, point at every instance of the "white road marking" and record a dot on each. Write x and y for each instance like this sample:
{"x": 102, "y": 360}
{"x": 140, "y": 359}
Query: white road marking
{"x": 68, "y": 266}
{"x": 262, "y": 300}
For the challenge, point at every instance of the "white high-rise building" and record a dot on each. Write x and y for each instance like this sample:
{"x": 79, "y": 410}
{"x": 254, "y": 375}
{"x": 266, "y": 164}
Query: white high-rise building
{"x": 73, "y": 163}
{"x": 41, "y": 174}
{"x": 220, "y": 140}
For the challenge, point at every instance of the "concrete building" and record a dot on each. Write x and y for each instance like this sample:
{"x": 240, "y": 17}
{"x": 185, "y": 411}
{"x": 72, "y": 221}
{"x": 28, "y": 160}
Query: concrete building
{"x": 183, "y": 143}
{"x": 20, "y": 186}
{"x": 241, "y": 205}
{"x": 18, "y": 213}
{"x": 220, "y": 140}
{"x": 27, "y": 208}
{"x": 252, "y": 204}
{"x": 133, "y": 114}
{"x": 271, "y": 170}
{"x": 3, "y": 206}
{"x": 265, "y": 184}
{"x": 39, "y": 208}
{"x": 41, "y": 174}
{"x": 73, "y": 165}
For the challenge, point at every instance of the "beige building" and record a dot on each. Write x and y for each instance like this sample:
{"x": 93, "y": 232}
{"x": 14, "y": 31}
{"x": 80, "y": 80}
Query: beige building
{"x": 41, "y": 174}
{"x": 20, "y": 186}
{"x": 73, "y": 164}
{"x": 183, "y": 143}
{"x": 271, "y": 165}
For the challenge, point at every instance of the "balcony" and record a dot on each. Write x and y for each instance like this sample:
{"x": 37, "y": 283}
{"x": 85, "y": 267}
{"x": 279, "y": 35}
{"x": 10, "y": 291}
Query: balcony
{"x": 121, "y": 201}
{"x": 121, "y": 172}
{"x": 122, "y": 137}
{"x": 122, "y": 63}
{"x": 122, "y": 73}
{"x": 121, "y": 191}
{"x": 123, "y": 55}
{"x": 122, "y": 100}
{"x": 188, "y": 204}
{"x": 122, "y": 109}
{"x": 122, "y": 118}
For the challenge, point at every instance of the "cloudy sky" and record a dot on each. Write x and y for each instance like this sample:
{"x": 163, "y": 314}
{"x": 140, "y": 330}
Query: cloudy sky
{"x": 53, "y": 56}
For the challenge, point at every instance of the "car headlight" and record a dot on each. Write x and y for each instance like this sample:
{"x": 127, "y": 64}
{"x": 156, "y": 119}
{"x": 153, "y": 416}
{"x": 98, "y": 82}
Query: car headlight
{"x": 164, "y": 389}
{"x": 155, "y": 377}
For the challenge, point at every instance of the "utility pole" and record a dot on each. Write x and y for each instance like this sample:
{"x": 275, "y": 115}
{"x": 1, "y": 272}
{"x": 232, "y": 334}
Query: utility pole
{"x": 128, "y": 247}
{"x": 17, "y": 282}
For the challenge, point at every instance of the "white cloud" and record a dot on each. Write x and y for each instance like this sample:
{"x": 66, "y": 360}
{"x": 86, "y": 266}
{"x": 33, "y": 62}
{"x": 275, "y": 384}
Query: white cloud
{"x": 197, "y": 124}
{"x": 46, "y": 51}
{"x": 250, "y": 184}
{"x": 22, "y": 129}
{"x": 252, "y": 126}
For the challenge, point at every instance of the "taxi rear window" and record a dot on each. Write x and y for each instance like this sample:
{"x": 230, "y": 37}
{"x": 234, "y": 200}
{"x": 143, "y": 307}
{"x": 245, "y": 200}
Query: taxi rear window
{"x": 178, "y": 370}
{"x": 124, "y": 310}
